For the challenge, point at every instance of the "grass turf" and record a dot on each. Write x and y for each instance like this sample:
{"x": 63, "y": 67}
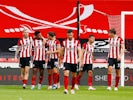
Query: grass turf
{"x": 17, "y": 93}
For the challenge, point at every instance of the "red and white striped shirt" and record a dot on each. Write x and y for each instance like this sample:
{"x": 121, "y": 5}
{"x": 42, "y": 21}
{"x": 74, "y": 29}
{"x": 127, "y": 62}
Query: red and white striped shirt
{"x": 115, "y": 47}
{"x": 25, "y": 47}
{"x": 39, "y": 50}
{"x": 53, "y": 45}
{"x": 71, "y": 51}
{"x": 88, "y": 53}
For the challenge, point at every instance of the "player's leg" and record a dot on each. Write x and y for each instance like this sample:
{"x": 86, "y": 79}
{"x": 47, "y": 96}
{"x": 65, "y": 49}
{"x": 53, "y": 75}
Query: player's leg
{"x": 22, "y": 65}
{"x": 26, "y": 71}
{"x": 34, "y": 74}
{"x": 55, "y": 73}
{"x": 66, "y": 75}
{"x": 58, "y": 79}
{"x": 50, "y": 72}
{"x": 73, "y": 81}
{"x": 26, "y": 76}
{"x": 41, "y": 76}
{"x": 74, "y": 75}
{"x": 55, "y": 77}
{"x": 90, "y": 76}
{"x": 22, "y": 74}
{"x": 79, "y": 77}
{"x": 117, "y": 78}
{"x": 109, "y": 77}
{"x": 78, "y": 80}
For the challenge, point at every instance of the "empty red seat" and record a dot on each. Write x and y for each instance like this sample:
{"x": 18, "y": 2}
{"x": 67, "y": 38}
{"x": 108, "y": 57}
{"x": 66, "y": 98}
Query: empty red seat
{"x": 12, "y": 60}
{"x": 3, "y": 59}
{"x": 100, "y": 60}
{"x": 128, "y": 61}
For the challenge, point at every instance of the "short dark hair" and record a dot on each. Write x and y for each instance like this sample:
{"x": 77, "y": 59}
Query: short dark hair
{"x": 52, "y": 34}
{"x": 91, "y": 36}
{"x": 112, "y": 30}
{"x": 36, "y": 32}
{"x": 69, "y": 31}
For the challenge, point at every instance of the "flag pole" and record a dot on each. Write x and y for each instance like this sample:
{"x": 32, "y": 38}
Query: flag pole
{"x": 78, "y": 19}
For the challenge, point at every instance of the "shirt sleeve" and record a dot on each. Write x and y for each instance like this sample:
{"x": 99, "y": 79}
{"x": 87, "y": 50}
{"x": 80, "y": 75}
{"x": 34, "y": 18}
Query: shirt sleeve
{"x": 19, "y": 42}
{"x": 58, "y": 43}
{"x": 79, "y": 45}
{"x": 84, "y": 46}
{"x": 63, "y": 44}
{"x": 121, "y": 41}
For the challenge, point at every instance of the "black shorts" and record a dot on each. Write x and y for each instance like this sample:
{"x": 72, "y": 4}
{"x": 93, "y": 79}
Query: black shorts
{"x": 87, "y": 67}
{"x": 39, "y": 64}
{"x": 52, "y": 63}
{"x": 112, "y": 62}
{"x": 71, "y": 67}
{"x": 24, "y": 62}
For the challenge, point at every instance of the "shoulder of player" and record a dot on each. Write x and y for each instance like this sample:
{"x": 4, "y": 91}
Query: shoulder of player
{"x": 76, "y": 40}
{"x": 30, "y": 37}
{"x": 120, "y": 38}
{"x": 34, "y": 39}
{"x": 20, "y": 39}
{"x": 64, "y": 41}
{"x": 109, "y": 38}
{"x": 84, "y": 45}
{"x": 57, "y": 41}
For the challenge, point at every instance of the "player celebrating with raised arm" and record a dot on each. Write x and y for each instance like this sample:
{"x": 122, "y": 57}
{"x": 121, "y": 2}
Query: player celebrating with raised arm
{"x": 71, "y": 51}
{"x": 116, "y": 51}
{"x": 87, "y": 63}
{"x": 38, "y": 58}
{"x": 25, "y": 48}
{"x": 53, "y": 46}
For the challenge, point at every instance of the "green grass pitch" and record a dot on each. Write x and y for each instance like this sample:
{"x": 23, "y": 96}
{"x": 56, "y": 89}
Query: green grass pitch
{"x": 17, "y": 93}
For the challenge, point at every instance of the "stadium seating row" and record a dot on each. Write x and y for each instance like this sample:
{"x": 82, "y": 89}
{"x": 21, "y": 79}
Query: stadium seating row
{"x": 8, "y": 60}
{"x": 95, "y": 61}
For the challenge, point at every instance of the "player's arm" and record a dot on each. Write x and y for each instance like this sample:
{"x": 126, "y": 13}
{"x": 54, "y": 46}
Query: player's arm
{"x": 57, "y": 51}
{"x": 17, "y": 49}
{"x": 80, "y": 53}
{"x": 61, "y": 51}
{"x": 93, "y": 57}
{"x": 82, "y": 57}
{"x": 17, "y": 52}
{"x": 44, "y": 40}
{"x": 58, "y": 48}
{"x": 122, "y": 50}
{"x": 47, "y": 51}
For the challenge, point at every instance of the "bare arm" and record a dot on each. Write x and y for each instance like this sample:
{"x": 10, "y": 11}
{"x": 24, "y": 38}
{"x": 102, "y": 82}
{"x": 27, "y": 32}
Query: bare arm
{"x": 122, "y": 50}
{"x": 44, "y": 40}
{"x": 52, "y": 52}
{"x": 62, "y": 52}
{"x": 80, "y": 54}
{"x": 17, "y": 51}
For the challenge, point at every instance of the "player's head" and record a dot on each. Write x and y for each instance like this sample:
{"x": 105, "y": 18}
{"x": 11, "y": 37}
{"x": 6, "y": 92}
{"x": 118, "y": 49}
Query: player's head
{"x": 38, "y": 34}
{"x": 25, "y": 33}
{"x": 112, "y": 32}
{"x": 51, "y": 35}
{"x": 91, "y": 38}
{"x": 70, "y": 34}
